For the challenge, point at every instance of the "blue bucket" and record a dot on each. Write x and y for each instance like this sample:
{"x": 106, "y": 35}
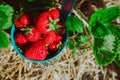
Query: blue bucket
{"x": 64, "y": 13}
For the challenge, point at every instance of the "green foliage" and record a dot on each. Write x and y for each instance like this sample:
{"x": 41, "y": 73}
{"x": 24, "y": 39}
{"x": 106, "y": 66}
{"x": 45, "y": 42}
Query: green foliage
{"x": 104, "y": 15}
{"x": 74, "y": 24}
{"x": 84, "y": 39}
{"x": 76, "y": 34}
{"x": 4, "y": 40}
{"x": 30, "y": 0}
{"x": 104, "y": 49}
{"x": 6, "y": 14}
{"x": 106, "y": 35}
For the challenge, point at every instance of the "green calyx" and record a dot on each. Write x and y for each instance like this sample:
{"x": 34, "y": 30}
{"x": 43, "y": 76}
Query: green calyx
{"x": 53, "y": 24}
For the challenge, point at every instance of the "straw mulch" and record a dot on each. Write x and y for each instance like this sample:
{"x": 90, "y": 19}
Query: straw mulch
{"x": 64, "y": 67}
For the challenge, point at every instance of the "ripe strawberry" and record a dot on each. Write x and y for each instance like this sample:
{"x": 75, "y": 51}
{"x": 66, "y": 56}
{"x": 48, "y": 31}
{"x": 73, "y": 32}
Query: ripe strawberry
{"x": 47, "y": 21}
{"x": 43, "y": 21}
{"x": 50, "y": 37}
{"x": 24, "y": 19}
{"x": 53, "y": 46}
{"x": 18, "y": 24}
{"x": 41, "y": 24}
{"x": 58, "y": 39}
{"x": 36, "y": 51}
{"x": 33, "y": 35}
{"x": 55, "y": 13}
{"x": 20, "y": 38}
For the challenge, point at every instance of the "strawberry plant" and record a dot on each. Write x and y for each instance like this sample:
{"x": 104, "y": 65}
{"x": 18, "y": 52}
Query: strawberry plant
{"x": 77, "y": 34}
{"x": 106, "y": 35}
{"x": 6, "y": 15}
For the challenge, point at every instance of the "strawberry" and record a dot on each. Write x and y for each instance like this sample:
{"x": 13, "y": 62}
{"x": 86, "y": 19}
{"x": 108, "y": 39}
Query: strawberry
{"x": 22, "y": 21}
{"x": 45, "y": 22}
{"x": 20, "y": 38}
{"x": 53, "y": 46}
{"x": 55, "y": 13}
{"x": 33, "y": 35}
{"x": 18, "y": 24}
{"x": 41, "y": 24}
{"x": 58, "y": 39}
{"x": 36, "y": 51}
{"x": 50, "y": 37}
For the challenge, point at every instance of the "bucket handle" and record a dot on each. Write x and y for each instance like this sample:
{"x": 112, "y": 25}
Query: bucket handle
{"x": 66, "y": 9}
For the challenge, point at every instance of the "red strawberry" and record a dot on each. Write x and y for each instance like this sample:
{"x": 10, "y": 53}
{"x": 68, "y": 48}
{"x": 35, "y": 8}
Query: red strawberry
{"x": 42, "y": 23}
{"x": 55, "y": 13}
{"x": 47, "y": 21}
{"x": 33, "y": 35}
{"x": 20, "y": 38}
{"x": 53, "y": 46}
{"x": 36, "y": 51}
{"x": 58, "y": 39}
{"x": 18, "y": 24}
{"x": 24, "y": 19}
{"x": 50, "y": 37}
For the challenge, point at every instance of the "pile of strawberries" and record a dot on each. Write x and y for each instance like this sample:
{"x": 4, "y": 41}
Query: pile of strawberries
{"x": 39, "y": 35}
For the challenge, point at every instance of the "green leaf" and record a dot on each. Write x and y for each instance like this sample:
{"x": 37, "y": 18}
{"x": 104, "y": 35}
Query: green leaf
{"x": 105, "y": 49}
{"x": 96, "y": 17}
{"x": 75, "y": 51}
{"x": 104, "y": 15}
{"x": 70, "y": 45}
{"x": 84, "y": 39}
{"x": 117, "y": 59}
{"x": 110, "y": 14}
{"x": 106, "y": 36}
{"x": 30, "y": 0}
{"x": 4, "y": 40}
{"x": 74, "y": 24}
{"x": 7, "y": 12}
{"x": 100, "y": 30}
{"x": 3, "y": 19}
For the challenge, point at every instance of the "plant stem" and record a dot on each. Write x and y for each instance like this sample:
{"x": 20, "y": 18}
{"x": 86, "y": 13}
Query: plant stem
{"x": 85, "y": 21}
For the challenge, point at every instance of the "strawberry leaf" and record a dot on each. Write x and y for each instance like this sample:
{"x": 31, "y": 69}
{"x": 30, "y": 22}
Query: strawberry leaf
{"x": 105, "y": 15}
{"x": 6, "y": 12}
{"x": 106, "y": 36}
{"x": 30, "y": 0}
{"x": 70, "y": 45}
{"x": 100, "y": 30}
{"x": 3, "y": 19}
{"x": 110, "y": 14}
{"x": 4, "y": 40}
{"x": 105, "y": 49}
{"x": 117, "y": 59}
{"x": 84, "y": 39}
{"x": 74, "y": 24}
